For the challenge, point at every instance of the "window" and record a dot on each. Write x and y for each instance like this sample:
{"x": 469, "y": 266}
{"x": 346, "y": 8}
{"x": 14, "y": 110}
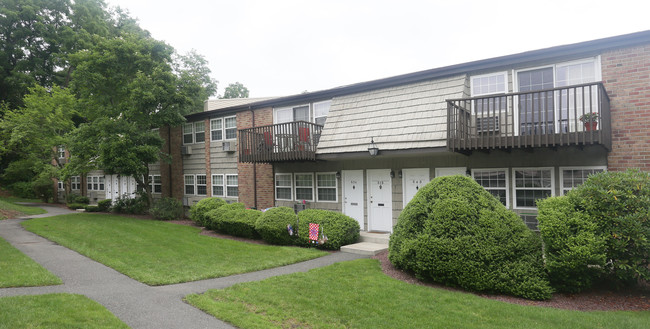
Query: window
{"x": 188, "y": 133}
{"x": 75, "y": 183}
{"x": 189, "y": 184}
{"x": 217, "y": 185}
{"x": 201, "y": 185}
{"x": 156, "y": 184}
{"x": 60, "y": 185}
{"x": 95, "y": 183}
{"x": 290, "y": 114}
{"x": 61, "y": 151}
{"x": 232, "y": 189}
{"x": 489, "y": 84}
{"x": 532, "y": 184}
{"x": 304, "y": 189}
{"x": 326, "y": 186}
{"x": 494, "y": 181}
{"x": 572, "y": 177}
{"x": 216, "y": 129}
{"x": 283, "y": 187}
{"x": 199, "y": 132}
{"x": 101, "y": 183}
{"x": 320, "y": 112}
{"x": 230, "y": 124}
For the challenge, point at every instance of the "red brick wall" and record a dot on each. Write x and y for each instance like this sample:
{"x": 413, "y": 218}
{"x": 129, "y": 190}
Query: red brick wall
{"x": 260, "y": 177}
{"x": 626, "y": 76}
{"x": 175, "y": 182}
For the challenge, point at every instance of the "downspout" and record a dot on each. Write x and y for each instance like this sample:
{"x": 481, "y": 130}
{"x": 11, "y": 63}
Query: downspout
{"x": 254, "y": 164}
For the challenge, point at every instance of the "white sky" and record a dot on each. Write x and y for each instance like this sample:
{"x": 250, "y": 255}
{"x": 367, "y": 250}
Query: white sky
{"x": 279, "y": 48}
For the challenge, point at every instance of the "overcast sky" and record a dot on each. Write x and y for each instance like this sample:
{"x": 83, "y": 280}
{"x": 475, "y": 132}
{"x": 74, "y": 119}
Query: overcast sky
{"x": 279, "y": 48}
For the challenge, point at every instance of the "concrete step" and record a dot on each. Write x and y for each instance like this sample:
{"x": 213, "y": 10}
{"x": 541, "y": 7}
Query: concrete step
{"x": 379, "y": 237}
{"x": 365, "y": 248}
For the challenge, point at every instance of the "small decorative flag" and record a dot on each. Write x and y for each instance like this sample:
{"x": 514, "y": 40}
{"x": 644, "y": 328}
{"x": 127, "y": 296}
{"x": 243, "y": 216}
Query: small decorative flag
{"x": 313, "y": 231}
{"x": 290, "y": 229}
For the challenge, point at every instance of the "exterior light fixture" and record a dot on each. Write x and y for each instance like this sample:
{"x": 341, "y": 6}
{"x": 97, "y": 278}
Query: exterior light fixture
{"x": 392, "y": 174}
{"x": 373, "y": 149}
{"x": 338, "y": 174}
{"x": 399, "y": 174}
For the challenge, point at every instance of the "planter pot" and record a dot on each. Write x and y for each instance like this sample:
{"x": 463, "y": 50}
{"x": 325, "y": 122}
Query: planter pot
{"x": 589, "y": 126}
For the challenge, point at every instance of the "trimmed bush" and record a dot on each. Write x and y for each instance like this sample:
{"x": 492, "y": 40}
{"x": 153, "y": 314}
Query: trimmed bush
{"x": 75, "y": 206}
{"x": 104, "y": 205}
{"x": 126, "y": 205}
{"x": 575, "y": 254}
{"x": 241, "y": 222}
{"x": 91, "y": 208}
{"x": 272, "y": 226}
{"x": 71, "y": 197}
{"x": 215, "y": 217}
{"x": 339, "y": 228}
{"x": 199, "y": 210}
{"x": 167, "y": 209}
{"x": 456, "y": 233}
{"x": 81, "y": 199}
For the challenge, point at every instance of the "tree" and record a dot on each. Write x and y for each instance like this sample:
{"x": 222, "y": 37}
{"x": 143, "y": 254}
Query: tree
{"x": 235, "y": 90}
{"x": 194, "y": 79}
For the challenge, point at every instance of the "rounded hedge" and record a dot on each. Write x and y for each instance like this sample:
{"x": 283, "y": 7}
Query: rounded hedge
{"x": 272, "y": 226}
{"x": 241, "y": 222}
{"x": 167, "y": 209}
{"x": 198, "y": 211}
{"x": 215, "y": 217}
{"x": 339, "y": 228}
{"x": 456, "y": 233}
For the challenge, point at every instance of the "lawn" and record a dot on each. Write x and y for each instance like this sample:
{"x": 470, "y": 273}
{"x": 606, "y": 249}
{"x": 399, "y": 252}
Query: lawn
{"x": 7, "y": 203}
{"x": 19, "y": 270}
{"x": 157, "y": 253}
{"x": 53, "y": 311}
{"x": 356, "y": 294}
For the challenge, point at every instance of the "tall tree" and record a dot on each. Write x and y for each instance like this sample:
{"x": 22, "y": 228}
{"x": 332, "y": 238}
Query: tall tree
{"x": 235, "y": 90}
{"x": 194, "y": 79}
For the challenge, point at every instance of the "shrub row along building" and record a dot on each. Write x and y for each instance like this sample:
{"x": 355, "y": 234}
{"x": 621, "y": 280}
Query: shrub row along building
{"x": 524, "y": 126}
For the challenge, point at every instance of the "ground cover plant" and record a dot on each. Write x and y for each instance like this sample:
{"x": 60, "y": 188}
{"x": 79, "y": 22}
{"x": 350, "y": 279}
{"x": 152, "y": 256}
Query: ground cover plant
{"x": 55, "y": 311}
{"x": 356, "y": 294}
{"x": 9, "y": 207}
{"x": 18, "y": 270}
{"x": 156, "y": 252}
{"x": 456, "y": 233}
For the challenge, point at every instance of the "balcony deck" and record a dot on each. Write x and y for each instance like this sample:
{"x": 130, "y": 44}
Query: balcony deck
{"x": 291, "y": 141}
{"x": 541, "y": 118}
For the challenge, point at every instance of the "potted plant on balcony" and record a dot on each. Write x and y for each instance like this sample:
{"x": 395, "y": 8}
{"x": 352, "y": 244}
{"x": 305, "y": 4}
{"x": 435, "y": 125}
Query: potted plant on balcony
{"x": 590, "y": 120}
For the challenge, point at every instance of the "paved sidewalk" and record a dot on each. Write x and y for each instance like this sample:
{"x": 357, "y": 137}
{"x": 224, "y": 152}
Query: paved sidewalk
{"x": 135, "y": 303}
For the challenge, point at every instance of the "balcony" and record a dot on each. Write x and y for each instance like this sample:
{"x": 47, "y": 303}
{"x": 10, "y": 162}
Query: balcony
{"x": 534, "y": 119}
{"x": 291, "y": 141}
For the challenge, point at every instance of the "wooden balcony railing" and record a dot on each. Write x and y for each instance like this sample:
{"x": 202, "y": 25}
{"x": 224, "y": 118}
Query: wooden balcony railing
{"x": 541, "y": 118}
{"x": 292, "y": 141}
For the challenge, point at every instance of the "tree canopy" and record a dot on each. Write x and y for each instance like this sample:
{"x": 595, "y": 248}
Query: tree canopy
{"x": 235, "y": 90}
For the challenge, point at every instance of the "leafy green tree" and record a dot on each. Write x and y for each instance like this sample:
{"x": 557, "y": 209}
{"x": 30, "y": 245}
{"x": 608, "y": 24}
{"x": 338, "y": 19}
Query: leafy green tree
{"x": 235, "y": 90}
{"x": 194, "y": 79}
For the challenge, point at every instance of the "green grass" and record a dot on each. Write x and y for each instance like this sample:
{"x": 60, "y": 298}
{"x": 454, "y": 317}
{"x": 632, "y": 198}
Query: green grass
{"x": 53, "y": 311}
{"x": 18, "y": 270}
{"x": 159, "y": 253}
{"x": 356, "y": 294}
{"x": 7, "y": 203}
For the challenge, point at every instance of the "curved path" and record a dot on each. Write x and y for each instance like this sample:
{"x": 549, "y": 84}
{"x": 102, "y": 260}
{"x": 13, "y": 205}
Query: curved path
{"x": 136, "y": 304}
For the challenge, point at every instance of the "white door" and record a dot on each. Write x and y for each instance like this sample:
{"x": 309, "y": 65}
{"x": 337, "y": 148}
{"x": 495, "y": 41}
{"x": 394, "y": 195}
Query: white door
{"x": 380, "y": 198}
{"x": 412, "y": 180}
{"x": 451, "y": 171}
{"x": 353, "y": 195}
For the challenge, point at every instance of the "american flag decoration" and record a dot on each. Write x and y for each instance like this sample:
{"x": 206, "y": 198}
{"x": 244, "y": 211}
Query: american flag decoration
{"x": 313, "y": 231}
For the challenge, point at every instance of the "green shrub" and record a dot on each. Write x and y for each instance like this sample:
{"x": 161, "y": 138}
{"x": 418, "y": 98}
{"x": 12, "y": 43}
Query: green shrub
{"x": 216, "y": 216}
{"x": 71, "y": 197}
{"x": 339, "y": 228}
{"x": 91, "y": 208}
{"x": 272, "y": 226}
{"x": 81, "y": 199}
{"x": 126, "y": 205}
{"x": 104, "y": 205}
{"x": 456, "y": 233}
{"x": 241, "y": 222}
{"x": 198, "y": 211}
{"x": 75, "y": 206}
{"x": 22, "y": 190}
{"x": 167, "y": 209}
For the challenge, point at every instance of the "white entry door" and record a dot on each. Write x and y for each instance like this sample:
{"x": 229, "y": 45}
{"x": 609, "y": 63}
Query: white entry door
{"x": 412, "y": 180}
{"x": 450, "y": 171}
{"x": 353, "y": 195}
{"x": 380, "y": 198}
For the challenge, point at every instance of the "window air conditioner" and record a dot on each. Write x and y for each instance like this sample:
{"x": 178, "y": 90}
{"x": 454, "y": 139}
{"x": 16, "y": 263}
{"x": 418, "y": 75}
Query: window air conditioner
{"x": 186, "y": 150}
{"x": 228, "y": 146}
{"x": 487, "y": 124}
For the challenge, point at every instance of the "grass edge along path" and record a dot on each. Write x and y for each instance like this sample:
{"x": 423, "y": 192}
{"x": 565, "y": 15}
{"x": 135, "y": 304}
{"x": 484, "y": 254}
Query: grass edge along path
{"x": 159, "y": 253}
{"x": 18, "y": 270}
{"x": 8, "y": 204}
{"x": 55, "y": 311}
{"x": 356, "y": 294}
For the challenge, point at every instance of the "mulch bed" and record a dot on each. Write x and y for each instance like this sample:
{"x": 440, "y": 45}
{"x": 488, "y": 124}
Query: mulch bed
{"x": 596, "y": 300}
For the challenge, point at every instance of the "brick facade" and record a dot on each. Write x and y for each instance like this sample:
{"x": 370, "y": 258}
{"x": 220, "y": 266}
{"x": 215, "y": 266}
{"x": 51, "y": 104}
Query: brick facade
{"x": 255, "y": 180}
{"x": 171, "y": 174}
{"x": 626, "y": 73}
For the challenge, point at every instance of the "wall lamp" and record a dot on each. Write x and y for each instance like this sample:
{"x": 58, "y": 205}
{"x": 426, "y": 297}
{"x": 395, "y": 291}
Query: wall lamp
{"x": 373, "y": 149}
{"x": 392, "y": 174}
{"x": 399, "y": 174}
{"x": 338, "y": 174}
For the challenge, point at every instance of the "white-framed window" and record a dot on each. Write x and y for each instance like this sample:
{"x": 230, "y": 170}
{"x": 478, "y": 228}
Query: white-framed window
{"x": 188, "y": 133}
{"x": 321, "y": 109}
{"x": 572, "y": 177}
{"x": 199, "y": 132}
{"x": 216, "y": 129}
{"x": 230, "y": 127}
{"x": 494, "y": 181}
{"x": 201, "y": 185}
{"x": 217, "y": 185}
{"x": 101, "y": 183}
{"x": 532, "y": 184}
{"x": 291, "y": 114}
{"x": 232, "y": 186}
{"x": 489, "y": 84}
{"x": 60, "y": 150}
{"x": 326, "y": 187}
{"x": 75, "y": 183}
{"x": 156, "y": 184}
{"x": 304, "y": 186}
{"x": 283, "y": 187}
{"x": 189, "y": 185}
{"x": 60, "y": 185}
{"x": 95, "y": 183}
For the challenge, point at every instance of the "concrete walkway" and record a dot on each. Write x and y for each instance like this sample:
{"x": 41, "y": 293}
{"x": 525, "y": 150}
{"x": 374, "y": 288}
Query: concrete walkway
{"x": 135, "y": 303}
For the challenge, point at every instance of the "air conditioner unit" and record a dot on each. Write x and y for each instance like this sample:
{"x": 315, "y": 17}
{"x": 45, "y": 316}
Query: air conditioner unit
{"x": 228, "y": 146}
{"x": 186, "y": 150}
{"x": 487, "y": 124}
{"x": 186, "y": 201}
